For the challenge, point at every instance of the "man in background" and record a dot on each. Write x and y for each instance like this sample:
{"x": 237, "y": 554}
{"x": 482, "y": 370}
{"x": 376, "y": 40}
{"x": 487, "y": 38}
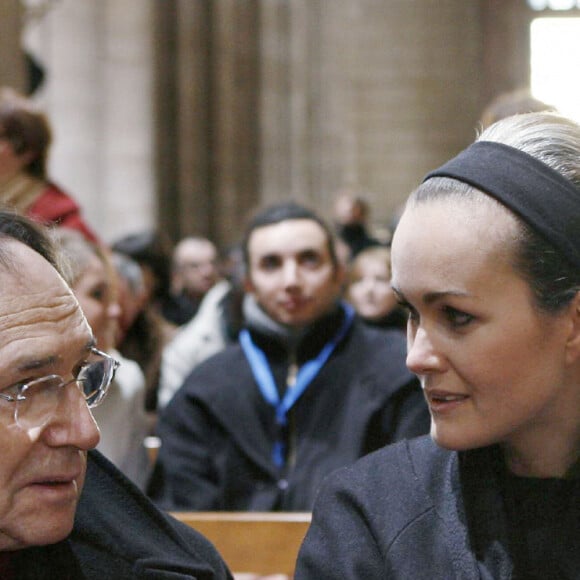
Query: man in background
{"x": 194, "y": 273}
{"x": 308, "y": 388}
{"x": 351, "y": 217}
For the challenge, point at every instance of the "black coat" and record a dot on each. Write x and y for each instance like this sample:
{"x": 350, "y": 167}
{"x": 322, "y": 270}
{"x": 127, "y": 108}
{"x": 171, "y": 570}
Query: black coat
{"x": 120, "y": 535}
{"x": 403, "y": 513}
{"x": 218, "y": 432}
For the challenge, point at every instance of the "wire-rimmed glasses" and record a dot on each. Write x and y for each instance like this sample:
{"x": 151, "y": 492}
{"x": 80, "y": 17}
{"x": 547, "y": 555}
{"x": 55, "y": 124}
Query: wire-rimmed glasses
{"x": 37, "y": 400}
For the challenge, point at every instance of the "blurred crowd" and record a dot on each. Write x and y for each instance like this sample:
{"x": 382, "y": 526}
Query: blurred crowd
{"x": 162, "y": 308}
{"x": 248, "y": 373}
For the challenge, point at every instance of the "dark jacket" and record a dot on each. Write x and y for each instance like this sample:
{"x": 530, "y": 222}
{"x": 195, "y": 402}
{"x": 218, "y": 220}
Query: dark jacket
{"x": 120, "y": 535}
{"x": 218, "y": 431}
{"x": 403, "y": 513}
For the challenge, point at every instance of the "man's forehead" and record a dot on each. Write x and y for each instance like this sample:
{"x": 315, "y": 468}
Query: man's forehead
{"x": 31, "y": 287}
{"x": 287, "y": 235}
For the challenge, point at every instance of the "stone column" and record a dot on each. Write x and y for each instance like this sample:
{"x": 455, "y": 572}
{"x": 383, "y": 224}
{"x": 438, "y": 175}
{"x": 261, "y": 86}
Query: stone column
{"x": 12, "y": 65}
{"x": 98, "y": 95}
{"x": 506, "y": 58}
{"x": 210, "y": 109}
{"x": 234, "y": 115}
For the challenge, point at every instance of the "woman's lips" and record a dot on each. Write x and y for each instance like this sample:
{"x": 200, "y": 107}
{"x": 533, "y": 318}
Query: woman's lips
{"x": 441, "y": 401}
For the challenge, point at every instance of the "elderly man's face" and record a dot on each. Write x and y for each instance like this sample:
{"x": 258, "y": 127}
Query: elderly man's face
{"x": 42, "y": 467}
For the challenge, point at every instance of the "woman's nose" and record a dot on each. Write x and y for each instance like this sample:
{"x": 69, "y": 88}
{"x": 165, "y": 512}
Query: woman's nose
{"x": 422, "y": 356}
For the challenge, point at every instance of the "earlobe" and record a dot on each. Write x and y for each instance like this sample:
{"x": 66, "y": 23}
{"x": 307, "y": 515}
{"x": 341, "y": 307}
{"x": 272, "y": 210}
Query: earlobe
{"x": 573, "y": 342}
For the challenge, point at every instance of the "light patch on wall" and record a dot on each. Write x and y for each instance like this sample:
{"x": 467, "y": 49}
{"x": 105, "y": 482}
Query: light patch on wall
{"x": 555, "y": 62}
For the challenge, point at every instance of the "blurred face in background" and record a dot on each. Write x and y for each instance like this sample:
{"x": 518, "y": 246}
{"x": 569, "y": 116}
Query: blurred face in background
{"x": 369, "y": 289}
{"x": 95, "y": 289}
{"x": 11, "y": 162}
{"x": 195, "y": 267}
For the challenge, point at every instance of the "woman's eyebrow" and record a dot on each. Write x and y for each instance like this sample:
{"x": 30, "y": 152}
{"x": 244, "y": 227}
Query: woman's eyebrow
{"x": 431, "y": 297}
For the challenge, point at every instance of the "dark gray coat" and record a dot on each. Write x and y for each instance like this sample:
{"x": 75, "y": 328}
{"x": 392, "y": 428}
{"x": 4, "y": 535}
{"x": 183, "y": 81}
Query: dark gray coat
{"x": 120, "y": 535}
{"x": 218, "y": 431}
{"x": 400, "y": 513}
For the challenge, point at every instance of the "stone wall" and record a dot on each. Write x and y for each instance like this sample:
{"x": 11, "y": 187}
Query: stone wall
{"x": 98, "y": 57}
{"x": 186, "y": 114}
{"x": 368, "y": 93}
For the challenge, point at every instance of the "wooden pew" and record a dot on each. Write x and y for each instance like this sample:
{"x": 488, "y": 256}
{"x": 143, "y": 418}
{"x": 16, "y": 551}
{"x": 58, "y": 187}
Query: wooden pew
{"x": 260, "y": 543}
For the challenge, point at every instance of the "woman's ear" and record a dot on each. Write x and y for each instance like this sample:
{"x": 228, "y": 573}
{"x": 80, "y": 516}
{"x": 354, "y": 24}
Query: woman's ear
{"x": 573, "y": 342}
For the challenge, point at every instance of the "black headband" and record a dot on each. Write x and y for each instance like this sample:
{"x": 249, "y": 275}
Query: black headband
{"x": 538, "y": 194}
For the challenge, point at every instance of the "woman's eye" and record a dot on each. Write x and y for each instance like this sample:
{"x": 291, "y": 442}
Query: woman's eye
{"x": 457, "y": 318}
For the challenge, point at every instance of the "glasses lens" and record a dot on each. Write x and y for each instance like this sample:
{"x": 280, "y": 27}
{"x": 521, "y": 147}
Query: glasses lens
{"x": 95, "y": 379}
{"x": 38, "y": 401}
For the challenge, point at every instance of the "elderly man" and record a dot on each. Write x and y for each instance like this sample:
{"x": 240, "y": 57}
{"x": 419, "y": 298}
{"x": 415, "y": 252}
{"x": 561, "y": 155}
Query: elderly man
{"x": 194, "y": 273}
{"x": 307, "y": 390}
{"x": 51, "y": 375}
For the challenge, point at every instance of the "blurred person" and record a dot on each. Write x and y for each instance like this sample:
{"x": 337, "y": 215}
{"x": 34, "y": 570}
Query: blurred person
{"x": 511, "y": 103}
{"x": 121, "y": 417}
{"x": 131, "y": 292}
{"x": 307, "y": 389}
{"x": 65, "y": 510}
{"x": 351, "y": 215}
{"x": 369, "y": 289}
{"x": 216, "y": 325}
{"x": 194, "y": 272}
{"x": 25, "y": 139}
{"x": 144, "y": 338}
{"x": 152, "y": 251}
{"x": 486, "y": 259}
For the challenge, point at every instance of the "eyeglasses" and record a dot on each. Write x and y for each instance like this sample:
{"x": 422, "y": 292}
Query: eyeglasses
{"x": 37, "y": 400}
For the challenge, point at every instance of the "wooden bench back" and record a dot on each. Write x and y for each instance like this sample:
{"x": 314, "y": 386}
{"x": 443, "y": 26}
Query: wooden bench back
{"x": 260, "y": 543}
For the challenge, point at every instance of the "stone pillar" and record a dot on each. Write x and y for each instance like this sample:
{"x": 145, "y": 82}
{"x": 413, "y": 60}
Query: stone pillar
{"x": 194, "y": 117}
{"x": 12, "y": 65}
{"x": 506, "y": 57}
{"x": 98, "y": 95}
{"x": 234, "y": 115}
{"x": 129, "y": 187}
{"x": 210, "y": 105}
{"x": 367, "y": 93}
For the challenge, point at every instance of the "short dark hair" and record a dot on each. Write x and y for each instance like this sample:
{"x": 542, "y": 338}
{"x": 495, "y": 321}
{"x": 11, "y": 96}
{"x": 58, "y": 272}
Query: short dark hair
{"x": 21, "y": 229}
{"x": 282, "y": 212}
{"x": 152, "y": 249}
{"x": 26, "y": 128}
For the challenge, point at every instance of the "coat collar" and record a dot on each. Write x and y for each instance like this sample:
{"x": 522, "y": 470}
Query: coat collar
{"x": 465, "y": 487}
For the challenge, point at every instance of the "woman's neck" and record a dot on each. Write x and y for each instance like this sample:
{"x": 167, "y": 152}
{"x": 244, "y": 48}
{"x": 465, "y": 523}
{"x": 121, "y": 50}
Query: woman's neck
{"x": 551, "y": 456}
